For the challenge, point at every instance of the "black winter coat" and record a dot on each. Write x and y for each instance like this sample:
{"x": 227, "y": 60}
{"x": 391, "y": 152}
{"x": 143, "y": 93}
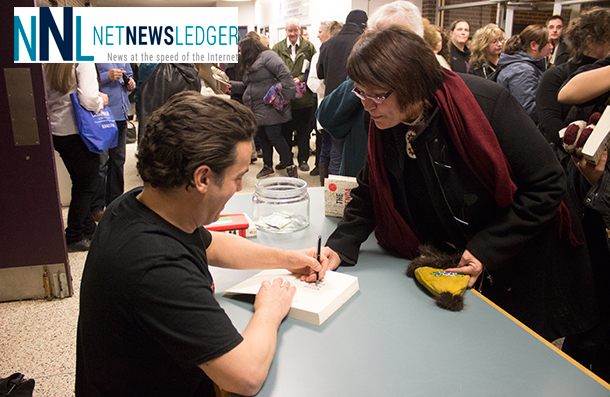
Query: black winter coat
{"x": 167, "y": 79}
{"x": 537, "y": 277}
{"x": 552, "y": 115}
{"x": 332, "y": 64}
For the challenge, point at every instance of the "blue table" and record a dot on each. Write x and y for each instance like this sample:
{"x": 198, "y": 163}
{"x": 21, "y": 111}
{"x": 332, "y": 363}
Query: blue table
{"x": 390, "y": 339}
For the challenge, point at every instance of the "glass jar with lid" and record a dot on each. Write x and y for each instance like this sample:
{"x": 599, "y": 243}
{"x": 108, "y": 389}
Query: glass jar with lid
{"x": 280, "y": 205}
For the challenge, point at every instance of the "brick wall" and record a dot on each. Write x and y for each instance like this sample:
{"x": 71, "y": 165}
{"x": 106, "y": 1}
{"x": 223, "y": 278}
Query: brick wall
{"x": 429, "y": 9}
{"x": 481, "y": 16}
{"x": 476, "y": 16}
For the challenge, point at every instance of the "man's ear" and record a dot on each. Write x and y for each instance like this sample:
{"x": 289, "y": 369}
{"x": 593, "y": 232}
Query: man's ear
{"x": 203, "y": 178}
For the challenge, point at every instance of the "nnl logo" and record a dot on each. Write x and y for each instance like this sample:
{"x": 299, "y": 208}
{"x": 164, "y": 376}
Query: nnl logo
{"x": 47, "y": 24}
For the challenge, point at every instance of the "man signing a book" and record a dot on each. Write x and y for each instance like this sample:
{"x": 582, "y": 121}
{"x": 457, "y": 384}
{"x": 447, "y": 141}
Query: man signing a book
{"x": 148, "y": 321}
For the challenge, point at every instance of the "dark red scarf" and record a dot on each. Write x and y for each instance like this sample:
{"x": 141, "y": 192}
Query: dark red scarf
{"x": 477, "y": 144}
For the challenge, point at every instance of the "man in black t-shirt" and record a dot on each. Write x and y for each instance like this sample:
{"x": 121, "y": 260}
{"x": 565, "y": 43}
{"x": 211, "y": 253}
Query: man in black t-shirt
{"x": 149, "y": 324}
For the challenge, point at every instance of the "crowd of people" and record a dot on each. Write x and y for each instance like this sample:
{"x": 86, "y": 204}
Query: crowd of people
{"x": 454, "y": 145}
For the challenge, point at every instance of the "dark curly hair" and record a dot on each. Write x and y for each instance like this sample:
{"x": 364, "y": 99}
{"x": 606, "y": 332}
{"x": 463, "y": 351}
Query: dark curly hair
{"x": 188, "y": 131}
{"x": 591, "y": 27}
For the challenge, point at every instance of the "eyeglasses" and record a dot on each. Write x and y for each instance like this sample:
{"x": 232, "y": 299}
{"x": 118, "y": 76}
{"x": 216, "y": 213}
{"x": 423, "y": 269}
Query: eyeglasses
{"x": 378, "y": 100}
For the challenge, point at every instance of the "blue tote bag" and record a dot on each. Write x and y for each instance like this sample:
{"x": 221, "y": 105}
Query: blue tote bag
{"x": 98, "y": 130}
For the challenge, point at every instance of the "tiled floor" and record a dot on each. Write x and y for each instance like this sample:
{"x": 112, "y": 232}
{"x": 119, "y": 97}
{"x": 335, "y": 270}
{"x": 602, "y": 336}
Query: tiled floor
{"x": 38, "y": 338}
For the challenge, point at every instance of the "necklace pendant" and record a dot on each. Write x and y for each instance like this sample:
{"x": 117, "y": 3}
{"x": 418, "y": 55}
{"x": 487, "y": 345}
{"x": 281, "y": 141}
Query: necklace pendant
{"x": 409, "y": 137}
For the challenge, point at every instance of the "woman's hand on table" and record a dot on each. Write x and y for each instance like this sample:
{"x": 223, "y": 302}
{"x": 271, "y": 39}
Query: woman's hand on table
{"x": 468, "y": 265}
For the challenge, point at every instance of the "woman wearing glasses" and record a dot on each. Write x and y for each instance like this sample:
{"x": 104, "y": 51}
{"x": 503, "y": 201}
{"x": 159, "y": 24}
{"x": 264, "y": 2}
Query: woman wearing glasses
{"x": 458, "y": 164}
{"x": 485, "y": 50}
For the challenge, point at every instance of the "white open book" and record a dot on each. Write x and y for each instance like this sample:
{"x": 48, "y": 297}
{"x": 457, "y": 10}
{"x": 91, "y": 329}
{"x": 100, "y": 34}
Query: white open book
{"x": 313, "y": 302}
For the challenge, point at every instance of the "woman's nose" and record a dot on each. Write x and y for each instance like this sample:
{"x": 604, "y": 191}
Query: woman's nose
{"x": 368, "y": 104}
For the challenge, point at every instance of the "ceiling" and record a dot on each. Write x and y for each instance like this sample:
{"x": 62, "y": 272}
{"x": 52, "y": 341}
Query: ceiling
{"x": 152, "y": 3}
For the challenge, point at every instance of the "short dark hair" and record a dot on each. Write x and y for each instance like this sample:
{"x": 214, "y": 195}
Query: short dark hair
{"x": 399, "y": 60}
{"x": 188, "y": 131}
{"x": 554, "y": 17}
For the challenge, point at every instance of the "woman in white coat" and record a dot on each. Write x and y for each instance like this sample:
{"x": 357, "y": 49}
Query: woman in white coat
{"x": 82, "y": 165}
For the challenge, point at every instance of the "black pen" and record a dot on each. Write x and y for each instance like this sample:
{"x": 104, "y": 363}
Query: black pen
{"x": 318, "y": 255}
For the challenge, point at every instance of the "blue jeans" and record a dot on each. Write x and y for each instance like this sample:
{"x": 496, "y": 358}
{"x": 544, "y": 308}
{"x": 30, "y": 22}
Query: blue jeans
{"x": 325, "y": 146}
{"x": 270, "y": 136}
{"x": 336, "y": 154}
{"x": 111, "y": 180}
{"x": 83, "y": 166}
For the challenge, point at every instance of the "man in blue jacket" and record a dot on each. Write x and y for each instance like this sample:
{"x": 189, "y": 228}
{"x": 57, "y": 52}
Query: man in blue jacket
{"x": 111, "y": 183}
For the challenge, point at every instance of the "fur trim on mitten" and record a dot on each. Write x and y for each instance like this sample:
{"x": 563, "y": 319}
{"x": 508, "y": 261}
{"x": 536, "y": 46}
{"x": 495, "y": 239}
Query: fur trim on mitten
{"x": 446, "y": 287}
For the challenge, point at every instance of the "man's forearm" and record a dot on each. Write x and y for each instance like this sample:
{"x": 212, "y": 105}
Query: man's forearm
{"x": 244, "y": 369}
{"x": 234, "y": 252}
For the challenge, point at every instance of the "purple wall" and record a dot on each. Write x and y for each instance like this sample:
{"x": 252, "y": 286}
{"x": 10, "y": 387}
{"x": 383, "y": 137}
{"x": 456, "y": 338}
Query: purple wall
{"x": 31, "y": 230}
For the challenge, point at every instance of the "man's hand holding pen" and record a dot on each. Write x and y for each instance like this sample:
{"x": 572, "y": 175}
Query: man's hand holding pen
{"x": 310, "y": 263}
{"x": 308, "y": 268}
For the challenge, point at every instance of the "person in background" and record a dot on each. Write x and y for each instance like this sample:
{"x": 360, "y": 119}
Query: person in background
{"x": 591, "y": 83}
{"x": 304, "y": 33}
{"x": 332, "y": 68}
{"x": 488, "y": 186}
{"x": 434, "y": 38}
{"x": 334, "y": 52}
{"x": 342, "y": 112}
{"x": 261, "y": 70}
{"x": 486, "y": 49}
{"x": 589, "y": 91}
{"x": 444, "y": 50}
{"x": 522, "y": 64}
{"x": 561, "y": 47}
{"x": 326, "y": 30}
{"x": 144, "y": 70}
{"x": 296, "y": 52}
{"x": 590, "y": 38}
{"x": 63, "y": 79}
{"x": 166, "y": 80}
{"x": 159, "y": 331}
{"x": 399, "y": 13}
{"x": 265, "y": 40}
{"x": 460, "y": 54}
{"x": 111, "y": 181}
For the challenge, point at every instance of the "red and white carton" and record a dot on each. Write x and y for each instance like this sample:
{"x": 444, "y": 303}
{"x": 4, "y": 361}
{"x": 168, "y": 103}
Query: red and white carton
{"x": 337, "y": 194}
{"x": 239, "y": 224}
